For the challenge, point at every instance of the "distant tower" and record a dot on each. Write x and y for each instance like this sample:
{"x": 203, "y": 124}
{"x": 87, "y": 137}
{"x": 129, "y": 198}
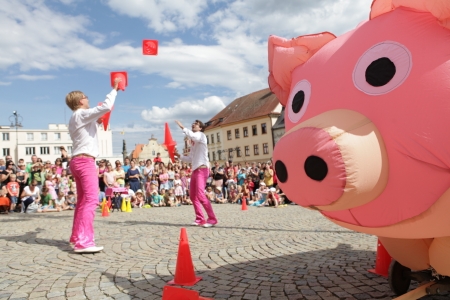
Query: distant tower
{"x": 124, "y": 148}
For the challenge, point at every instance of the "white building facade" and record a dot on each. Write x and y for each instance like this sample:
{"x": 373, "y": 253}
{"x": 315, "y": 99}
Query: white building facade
{"x": 46, "y": 143}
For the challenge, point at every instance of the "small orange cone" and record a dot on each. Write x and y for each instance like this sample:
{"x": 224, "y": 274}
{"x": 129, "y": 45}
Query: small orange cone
{"x": 105, "y": 211}
{"x": 176, "y": 293}
{"x": 383, "y": 261}
{"x": 244, "y": 203}
{"x": 184, "y": 272}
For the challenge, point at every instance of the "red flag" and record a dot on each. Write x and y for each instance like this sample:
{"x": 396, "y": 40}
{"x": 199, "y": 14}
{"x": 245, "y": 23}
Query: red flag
{"x": 169, "y": 143}
{"x": 150, "y": 47}
{"x": 105, "y": 117}
{"x": 122, "y": 75}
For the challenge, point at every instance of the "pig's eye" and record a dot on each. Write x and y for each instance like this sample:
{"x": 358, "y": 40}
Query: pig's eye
{"x": 382, "y": 68}
{"x": 298, "y": 100}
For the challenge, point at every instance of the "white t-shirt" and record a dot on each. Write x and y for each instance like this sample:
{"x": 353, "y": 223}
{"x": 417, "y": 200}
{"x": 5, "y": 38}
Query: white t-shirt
{"x": 199, "y": 150}
{"x": 29, "y": 193}
{"x": 60, "y": 201}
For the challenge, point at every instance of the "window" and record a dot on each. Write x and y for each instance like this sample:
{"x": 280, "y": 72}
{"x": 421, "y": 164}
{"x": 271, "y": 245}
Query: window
{"x": 263, "y": 128}
{"x": 212, "y": 138}
{"x": 236, "y": 133}
{"x": 30, "y": 151}
{"x": 229, "y": 134}
{"x": 30, "y": 136}
{"x": 45, "y": 150}
{"x": 254, "y": 130}
{"x": 5, "y": 136}
{"x": 230, "y": 153}
{"x": 57, "y": 150}
{"x": 255, "y": 150}
{"x": 247, "y": 150}
{"x": 245, "y": 131}
{"x": 209, "y": 156}
{"x": 207, "y": 140}
{"x": 57, "y": 136}
{"x": 153, "y": 152}
{"x": 238, "y": 152}
{"x": 6, "y": 152}
{"x": 265, "y": 148}
{"x": 219, "y": 154}
{"x": 68, "y": 137}
{"x": 214, "y": 156}
{"x": 218, "y": 137}
{"x": 69, "y": 150}
{"x": 43, "y": 136}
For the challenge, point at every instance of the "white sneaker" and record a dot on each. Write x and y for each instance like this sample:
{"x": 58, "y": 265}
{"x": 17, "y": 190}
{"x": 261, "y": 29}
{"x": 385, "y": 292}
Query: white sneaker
{"x": 197, "y": 224}
{"x": 207, "y": 225}
{"x": 89, "y": 250}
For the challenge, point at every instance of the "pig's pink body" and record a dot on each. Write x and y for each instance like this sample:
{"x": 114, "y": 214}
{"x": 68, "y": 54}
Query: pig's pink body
{"x": 404, "y": 123}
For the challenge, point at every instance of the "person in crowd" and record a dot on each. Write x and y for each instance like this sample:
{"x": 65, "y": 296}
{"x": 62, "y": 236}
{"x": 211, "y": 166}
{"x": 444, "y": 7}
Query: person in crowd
{"x": 22, "y": 177}
{"x": 13, "y": 188}
{"x": 109, "y": 177}
{"x": 47, "y": 204}
{"x": 218, "y": 175}
{"x": 169, "y": 198}
{"x": 157, "y": 200}
{"x": 164, "y": 179}
{"x": 5, "y": 203}
{"x": 139, "y": 199}
{"x": 64, "y": 182}
{"x": 237, "y": 195}
{"x": 171, "y": 173}
{"x": 134, "y": 176}
{"x": 30, "y": 194}
{"x": 50, "y": 186}
{"x": 126, "y": 166}
{"x": 83, "y": 132}
{"x": 157, "y": 159}
{"x": 60, "y": 202}
{"x": 2, "y": 164}
{"x": 36, "y": 171}
{"x": 147, "y": 171}
{"x": 100, "y": 172}
{"x": 178, "y": 188}
{"x": 71, "y": 199}
{"x": 210, "y": 194}
{"x": 218, "y": 197}
{"x": 261, "y": 194}
{"x": 273, "y": 199}
{"x": 268, "y": 176}
{"x": 241, "y": 176}
{"x": 130, "y": 194}
{"x": 120, "y": 174}
{"x": 58, "y": 165}
{"x": 143, "y": 177}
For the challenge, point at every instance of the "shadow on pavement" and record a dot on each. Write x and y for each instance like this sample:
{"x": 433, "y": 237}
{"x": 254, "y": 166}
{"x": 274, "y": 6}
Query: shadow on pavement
{"x": 31, "y": 238}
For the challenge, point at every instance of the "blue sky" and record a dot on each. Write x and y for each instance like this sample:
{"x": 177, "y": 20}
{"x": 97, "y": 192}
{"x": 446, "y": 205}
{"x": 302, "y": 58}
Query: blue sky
{"x": 210, "y": 52}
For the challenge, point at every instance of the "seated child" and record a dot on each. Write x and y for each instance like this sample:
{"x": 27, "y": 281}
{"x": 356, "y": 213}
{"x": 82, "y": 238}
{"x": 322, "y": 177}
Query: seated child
{"x": 4, "y": 201}
{"x": 210, "y": 194}
{"x": 170, "y": 198}
{"x": 71, "y": 200}
{"x": 219, "y": 196}
{"x": 157, "y": 200}
{"x": 139, "y": 199}
{"x": 46, "y": 201}
{"x": 60, "y": 202}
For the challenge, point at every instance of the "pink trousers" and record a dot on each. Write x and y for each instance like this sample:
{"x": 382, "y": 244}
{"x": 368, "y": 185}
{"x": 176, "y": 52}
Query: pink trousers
{"x": 85, "y": 174}
{"x": 198, "y": 197}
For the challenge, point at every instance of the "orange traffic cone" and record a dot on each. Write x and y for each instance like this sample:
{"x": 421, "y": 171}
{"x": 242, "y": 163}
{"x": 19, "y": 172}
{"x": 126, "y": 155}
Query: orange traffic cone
{"x": 383, "y": 261}
{"x": 244, "y": 203}
{"x": 184, "y": 272}
{"x": 176, "y": 293}
{"x": 105, "y": 211}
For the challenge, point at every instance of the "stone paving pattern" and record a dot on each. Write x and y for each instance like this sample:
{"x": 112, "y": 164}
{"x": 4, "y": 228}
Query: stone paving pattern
{"x": 262, "y": 253}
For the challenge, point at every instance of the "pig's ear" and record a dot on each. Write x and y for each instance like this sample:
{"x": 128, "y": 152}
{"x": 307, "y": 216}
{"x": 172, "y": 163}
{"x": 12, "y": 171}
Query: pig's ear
{"x": 438, "y": 8}
{"x": 285, "y": 55}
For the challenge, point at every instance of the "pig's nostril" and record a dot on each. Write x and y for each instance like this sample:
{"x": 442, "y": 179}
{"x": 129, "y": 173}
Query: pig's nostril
{"x": 316, "y": 168}
{"x": 281, "y": 170}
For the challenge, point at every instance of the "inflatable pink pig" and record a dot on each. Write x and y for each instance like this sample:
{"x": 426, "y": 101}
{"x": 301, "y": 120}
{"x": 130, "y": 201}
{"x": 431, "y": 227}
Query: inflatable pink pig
{"x": 367, "y": 119}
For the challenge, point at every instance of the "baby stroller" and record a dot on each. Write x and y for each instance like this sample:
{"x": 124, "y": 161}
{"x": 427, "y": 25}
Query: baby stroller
{"x": 116, "y": 202}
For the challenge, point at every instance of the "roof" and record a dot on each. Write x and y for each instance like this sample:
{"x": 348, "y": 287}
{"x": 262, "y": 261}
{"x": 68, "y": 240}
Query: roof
{"x": 254, "y": 105}
{"x": 137, "y": 150}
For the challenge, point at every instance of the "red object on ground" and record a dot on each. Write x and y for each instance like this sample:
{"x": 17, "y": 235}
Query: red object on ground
{"x": 105, "y": 117}
{"x": 383, "y": 261}
{"x": 176, "y": 293}
{"x": 150, "y": 47}
{"x": 123, "y": 75}
{"x": 169, "y": 143}
{"x": 244, "y": 203}
{"x": 105, "y": 211}
{"x": 184, "y": 272}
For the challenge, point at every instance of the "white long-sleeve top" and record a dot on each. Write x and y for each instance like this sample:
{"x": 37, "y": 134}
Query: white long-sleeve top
{"x": 199, "y": 150}
{"x": 83, "y": 126}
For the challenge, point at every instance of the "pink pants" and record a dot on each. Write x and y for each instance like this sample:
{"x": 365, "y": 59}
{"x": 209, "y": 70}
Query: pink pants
{"x": 85, "y": 174}
{"x": 198, "y": 197}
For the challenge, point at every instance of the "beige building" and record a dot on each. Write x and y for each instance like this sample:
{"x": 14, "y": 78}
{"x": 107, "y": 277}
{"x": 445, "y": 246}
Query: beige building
{"x": 242, "y": 131}
{"x": 149, "y": 151}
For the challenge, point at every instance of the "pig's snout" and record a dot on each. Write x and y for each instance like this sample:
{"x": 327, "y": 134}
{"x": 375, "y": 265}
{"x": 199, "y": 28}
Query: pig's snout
{"x": 334, "y": 161}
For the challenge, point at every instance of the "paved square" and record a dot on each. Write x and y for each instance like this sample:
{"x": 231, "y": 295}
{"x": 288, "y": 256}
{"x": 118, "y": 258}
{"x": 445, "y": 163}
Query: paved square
{"x": 262, "y": 253}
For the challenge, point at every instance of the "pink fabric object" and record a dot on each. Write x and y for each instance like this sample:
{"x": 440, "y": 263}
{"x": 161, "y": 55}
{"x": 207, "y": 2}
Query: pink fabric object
{"x": 411, "y": 114}
{"x": 84, "y": 171}
{"x": 110, "y": 191}
{"x": 198, "y": 197}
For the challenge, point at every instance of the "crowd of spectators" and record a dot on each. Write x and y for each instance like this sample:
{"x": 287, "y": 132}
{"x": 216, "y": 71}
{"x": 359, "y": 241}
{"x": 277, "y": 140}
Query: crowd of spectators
{"x": 40, "y": 186}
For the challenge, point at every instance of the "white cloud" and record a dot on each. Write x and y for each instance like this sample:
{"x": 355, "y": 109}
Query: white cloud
{"x": 3, "y": 83}
{"x": 162, "y": 15}
{"x": 185, "y": 111}
{"x": 33, "y": 77}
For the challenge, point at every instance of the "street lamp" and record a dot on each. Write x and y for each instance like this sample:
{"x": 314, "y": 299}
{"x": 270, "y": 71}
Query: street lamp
{"x": 16, "y": 121}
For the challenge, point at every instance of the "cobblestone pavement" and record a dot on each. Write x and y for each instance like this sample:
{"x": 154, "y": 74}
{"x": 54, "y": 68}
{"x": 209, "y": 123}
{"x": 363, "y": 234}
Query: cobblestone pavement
{"x": 262, "y": 253}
